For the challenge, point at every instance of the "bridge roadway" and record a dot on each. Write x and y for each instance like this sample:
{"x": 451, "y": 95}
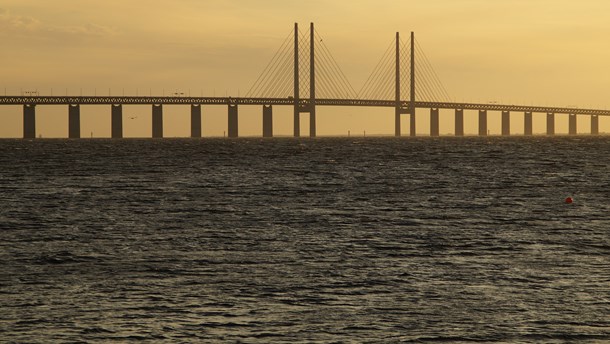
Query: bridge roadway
{"x": 151, "y": 100}
{"x": 30, "y": 103}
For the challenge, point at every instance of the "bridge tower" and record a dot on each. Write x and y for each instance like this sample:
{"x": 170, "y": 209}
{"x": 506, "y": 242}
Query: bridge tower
{"x": 412, "y": 99}
{"x": 399, "y": 109}
{"x": 297, "y": 111}
{"x": 312, "y": 83}
{"x": 398, "y": 106}
{"x": 311, "y": 107}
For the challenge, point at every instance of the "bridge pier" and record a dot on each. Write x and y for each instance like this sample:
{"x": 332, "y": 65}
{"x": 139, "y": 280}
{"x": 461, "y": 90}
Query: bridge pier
{"x": 267, "y": 121}
{"x": 397, "y": 114}
{"x": 459, "y": 122}
{"x": 412, "y": 131}
{"x": 572, "y": 125}
{"x": 29, "y": 121}
{"x": 528, "y": 126}
{"x": 505, "y": 123}
{"x": 434, "y": 122}
{"x": 594, "y": 125}
{"x": 233, "y": 121}
{"x": 312, "y": 121}
{"x": 116, "y": 121}
{"x": 297, "y": 122}
{"x": 482, "y": 122}
{"x": 157, "y": 121}
{"x": 74, "y": 121}
{"x": 196, "y": 120}
{"x": 550, "y": 123}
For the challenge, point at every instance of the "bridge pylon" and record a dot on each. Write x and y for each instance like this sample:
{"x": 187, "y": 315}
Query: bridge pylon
{"x": 311, "y": 107}
{"x": 399, "y": 108}
{"x": 297, "y": 110}
{"x": 412, "y": 98}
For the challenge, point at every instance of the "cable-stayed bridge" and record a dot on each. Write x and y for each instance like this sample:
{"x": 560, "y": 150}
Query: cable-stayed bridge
{"x": 304, "y": 74}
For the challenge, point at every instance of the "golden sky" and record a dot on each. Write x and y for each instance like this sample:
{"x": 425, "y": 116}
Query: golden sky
{"x": 543, "y": 52}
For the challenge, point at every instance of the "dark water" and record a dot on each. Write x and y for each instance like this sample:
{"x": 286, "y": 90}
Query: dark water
{"x": 324, "y": 240}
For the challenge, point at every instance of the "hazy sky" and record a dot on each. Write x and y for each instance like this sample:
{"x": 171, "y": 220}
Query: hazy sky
{"x": 544, "y": 52}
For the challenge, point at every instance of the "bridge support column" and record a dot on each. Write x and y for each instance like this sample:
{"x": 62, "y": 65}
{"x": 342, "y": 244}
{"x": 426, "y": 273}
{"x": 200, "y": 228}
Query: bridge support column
{"x": 116, "y": 121}
{"x": 297, "y": 122}
{"x": 459, "y": 122}
{"x": 29, "y": 121}
{"x": 434, "y": 122}
{"x": 572, "y": 129}
{"x": 267, "y": 121}
{"x": 550, "y": 123}
{"x": 528, "y": 125}
{"x": 196, "y": 120}
{"x": 397, "y": 122}
{"x": 412, "y": 131}
{"x": 594, "y": 125}
{"x": 74, "y": 121}
{"x": 505, "y": 123}
{"x": 482, "y": 122}
{"x": 157, "y": 121}
{"x": 233, "y": 121}
{"x": 312, "y": 121}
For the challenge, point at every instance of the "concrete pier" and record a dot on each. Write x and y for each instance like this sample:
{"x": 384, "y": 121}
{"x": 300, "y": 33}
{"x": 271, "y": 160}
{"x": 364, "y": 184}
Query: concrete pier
{"x": 550, "y": 123}
{"x": 482, "y": 122}
{"x": 297, "y": 122}
{"x": 434, "y": 122}
{"x": 412, "y": 127}
{"x": 397, "y": 122}
{"x": 505, "y": 123}
{"x": 594, "y": 125}
{"x": 459, "y": 122}
{"x": 116, "y": 121}
{"x": 572, "y": 125}
{"x": 157, "y": 121}
{"x": 233, "y": 121}
{"x": 528, "y": 125}
{"x": 312, "y": 122}
{"x": 195, "y": 120}
{"x": 267, "y": 121}
{"x": 29, "y": 121}
{"x": 74, "y": 121}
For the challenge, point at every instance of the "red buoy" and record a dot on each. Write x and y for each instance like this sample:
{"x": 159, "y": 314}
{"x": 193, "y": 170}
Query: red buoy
{"x": 569, "y": 200}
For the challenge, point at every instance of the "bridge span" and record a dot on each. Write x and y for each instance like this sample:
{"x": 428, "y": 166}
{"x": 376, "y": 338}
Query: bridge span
{"x": 392, "y": 84}
{"x": 152, "y": 100}
{"x": 30, "y": 103}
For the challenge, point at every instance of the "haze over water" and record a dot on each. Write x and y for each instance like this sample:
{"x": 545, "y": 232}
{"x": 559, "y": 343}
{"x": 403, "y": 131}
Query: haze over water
{"x": 305, "y": 240}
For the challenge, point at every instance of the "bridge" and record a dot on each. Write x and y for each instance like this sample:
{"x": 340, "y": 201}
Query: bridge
{"x": 397, "y": 82}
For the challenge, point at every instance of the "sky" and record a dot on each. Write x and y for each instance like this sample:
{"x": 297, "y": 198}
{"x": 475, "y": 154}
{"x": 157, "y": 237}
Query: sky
{"x": 534, "y": 52}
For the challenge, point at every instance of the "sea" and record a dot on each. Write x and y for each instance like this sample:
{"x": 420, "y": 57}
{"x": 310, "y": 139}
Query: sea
{"x": 301, "y": 240}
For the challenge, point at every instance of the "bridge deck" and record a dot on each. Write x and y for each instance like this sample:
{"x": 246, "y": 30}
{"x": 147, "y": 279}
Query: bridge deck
{"x": 143, "y": 100}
